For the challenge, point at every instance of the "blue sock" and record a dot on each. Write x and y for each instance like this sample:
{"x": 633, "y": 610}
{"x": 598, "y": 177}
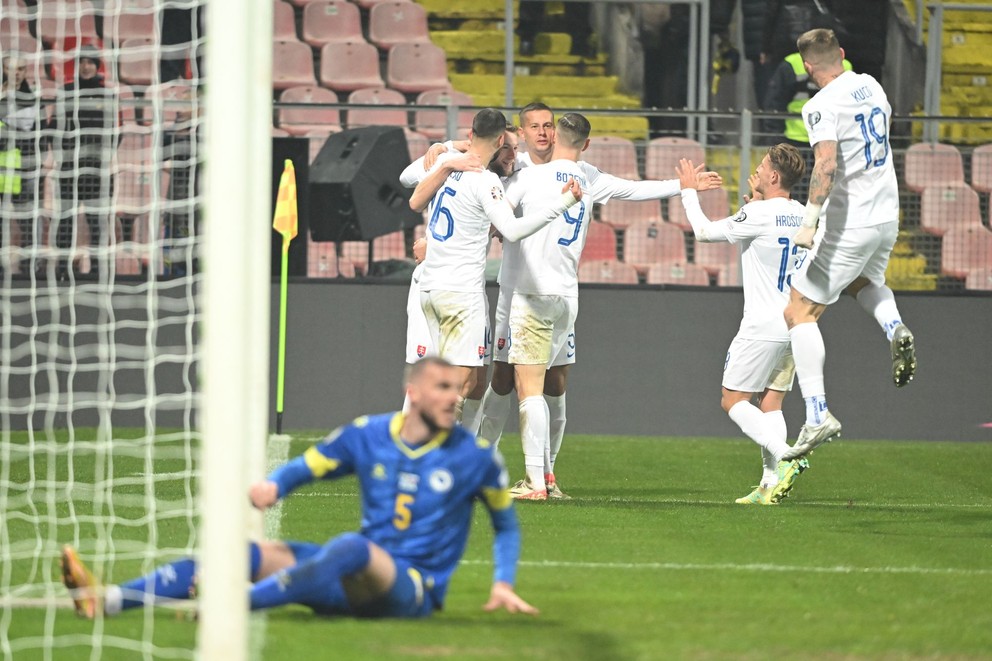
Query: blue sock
{"x": 816, "y": 409}
{"x": 315, "y": 582}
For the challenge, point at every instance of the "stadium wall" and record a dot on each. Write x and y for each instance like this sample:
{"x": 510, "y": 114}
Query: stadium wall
{"x": 650, "y": 362}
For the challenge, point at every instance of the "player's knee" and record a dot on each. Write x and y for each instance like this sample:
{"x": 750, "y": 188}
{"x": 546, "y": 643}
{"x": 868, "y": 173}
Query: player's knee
{"x": 349, "y": 550}
{"x": 502, "y": 381}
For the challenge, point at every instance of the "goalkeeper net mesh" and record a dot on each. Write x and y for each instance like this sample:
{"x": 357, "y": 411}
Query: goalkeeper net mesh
{"x": 99, "y": 154}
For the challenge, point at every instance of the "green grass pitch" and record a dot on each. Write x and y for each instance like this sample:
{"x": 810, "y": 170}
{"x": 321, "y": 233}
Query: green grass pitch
{"x": 884, "y": 550}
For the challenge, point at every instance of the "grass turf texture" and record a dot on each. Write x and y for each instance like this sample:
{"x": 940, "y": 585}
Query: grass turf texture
{"x": 884, "y": 550}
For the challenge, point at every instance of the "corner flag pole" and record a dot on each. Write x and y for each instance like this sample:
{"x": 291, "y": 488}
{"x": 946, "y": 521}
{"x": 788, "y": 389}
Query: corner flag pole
{"x": 284, "y": 222}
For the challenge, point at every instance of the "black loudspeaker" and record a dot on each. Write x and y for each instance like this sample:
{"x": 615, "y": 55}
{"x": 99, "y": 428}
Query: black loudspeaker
{"x": 355, "y": 192}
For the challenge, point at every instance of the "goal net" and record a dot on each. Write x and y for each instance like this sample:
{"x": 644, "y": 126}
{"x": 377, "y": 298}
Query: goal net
{"x": 103, "y": 382}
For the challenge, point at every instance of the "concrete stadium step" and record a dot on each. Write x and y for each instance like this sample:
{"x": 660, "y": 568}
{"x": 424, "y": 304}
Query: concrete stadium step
{"x": 468, "y": 8}
{"x": 496, "y": 99}
{"x": 538, "y": 65}
{"x": 537, "y": 86}
{"x": 470, "y": 44}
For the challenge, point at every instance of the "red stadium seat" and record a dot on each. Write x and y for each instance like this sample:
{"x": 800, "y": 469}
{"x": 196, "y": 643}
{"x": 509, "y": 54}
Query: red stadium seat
{"x": 283, "y": 22}
{"x": 607, "y": 271}
{"x": 730, "y": 275}
{"x": 965, "y": 249}
{"x": 301, "y": 121}
{"x": 125, "y": 96}
{"x": 292, "y": 65}
{"x": 329, "y": 22}
{"x": 664, "y": 153}
{"x": 616, "y": 156}
{"x": 931, "y": 164}
{"x": 980, "y": 279}
{"x": 434, "y": 123}
{"x": 678, "y": 273}
{"x": 322, "y": 260}
{"x": 981, "y": 169}
{"x": 167, "y": 100}
{"x": 417, "y": 144}
{"x": 714, "y": 257}
{"x": 389, "y": 246}
{"x": 714, "y": 204}
{"x": 647, "y": 243}
{"x": 601, "y": 243}
{"x": 392, "y": 23}
{"x": 137, "y": 64}
{"x": 415, "y": 68}
{"x": 620, "y": 214}
{"x": 135, "y": 170}
{"x": 372, "y": 117}
{"x": 348, "y": 66}
{"x": 129, "y": 19}
{"x": 62, "y": 19}
{"x": 279, "y": 133}
{"x": 946, "y": 206}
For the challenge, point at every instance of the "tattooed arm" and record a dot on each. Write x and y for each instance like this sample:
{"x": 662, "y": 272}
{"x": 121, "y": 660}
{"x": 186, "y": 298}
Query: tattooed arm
{"x": 821, "y": 182}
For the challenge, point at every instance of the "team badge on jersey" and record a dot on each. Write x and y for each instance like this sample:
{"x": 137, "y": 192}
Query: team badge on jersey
{"x": 497, "y": 192}
{"x": 814, "y": 118}
{"x": 379, "y": 472}
{"x": 441, "y": 480}
{"x": 408, "y": 481}
{"x": 421, "y": 351}
{"x": 740, "y": 216}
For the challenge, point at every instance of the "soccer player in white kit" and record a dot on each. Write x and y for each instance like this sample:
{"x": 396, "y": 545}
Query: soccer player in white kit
{"x": 759, "y": 361}
{"x": 452, "y": 284}
{"x": 848, "y": 123}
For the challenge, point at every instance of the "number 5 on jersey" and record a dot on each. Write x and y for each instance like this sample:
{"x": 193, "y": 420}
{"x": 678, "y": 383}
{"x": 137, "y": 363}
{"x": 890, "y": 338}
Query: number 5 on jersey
{"x": 402, "y": 513}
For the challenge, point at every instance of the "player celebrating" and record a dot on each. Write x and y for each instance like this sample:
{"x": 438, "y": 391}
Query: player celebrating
{"x": 419, "y": 474}
{"x": 848, "y": 123}
{"x": 759, "y": 361}
{"x": 452, "y": 284}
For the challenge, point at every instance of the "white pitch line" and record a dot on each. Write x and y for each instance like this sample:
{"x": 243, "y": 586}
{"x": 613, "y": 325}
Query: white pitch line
{"x": 759, "y": 567}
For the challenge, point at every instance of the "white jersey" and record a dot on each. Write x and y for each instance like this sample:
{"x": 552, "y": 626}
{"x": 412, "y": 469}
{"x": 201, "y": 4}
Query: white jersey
{"x": 853, "y": 110}
{"x": 764, "y": 229}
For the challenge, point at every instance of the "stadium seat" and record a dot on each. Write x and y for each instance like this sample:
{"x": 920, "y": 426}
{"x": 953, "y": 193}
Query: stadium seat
{"x": 981, "y": 169}
{"x": 980, "y": 279}
{"x": 13, "y": 29}
{"x": 369, "y": 4}
{"x": 317, "y": 139}
{"x": 946, "y": 206}
{"x": 372, "y": 117}
{"x": 616, "y": 156}
{"x": 415, "y": 68}
{"x": 279, "y": 133}
{"x": 677, "y": 273}
{"x": 322, "y": 260}
{"x": 125, "y": 96}
{"x": 137, "y": 64}
{"x": 417, "y": 144}
{"x": 350, "y": 65}
{"x": 715, "y": 256}
{"x": 652, "y": 242}
{"x": 135, "y": 170}
{"x": 129, "y": 19}
{"x": 301, "y": 121}
{"x": 61, "y": 19}
{"x": 620, "y": 214}
{"x": 292, "y": 65}
{"x": 166, "y": 102}
{"x": 930, "y": 164}
{"x": 965, "y": 249}
{"x": 607, "y": 271}
{"x": 392, "y": 23}
{"x": 601, "y": 243}
{"x": 714, "y": 204}
{"x": 434, "y": 123}
{"x": 730, "y": 275}
{"x": 663, "y": 155}
{"x": 328, "y": 22}
{"x": 18, "y": 42}
{"x": 283, "y": 22}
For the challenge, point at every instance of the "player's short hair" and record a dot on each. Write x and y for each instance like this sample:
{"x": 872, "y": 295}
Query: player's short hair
{"x": 573, "y": 130}
{"x": 819, "y": 46}
{"x": 788, "y": 162}
{"x": 533, "y": 107}
{"x": 488, "y": 124}
{"x": 414, "y": 370}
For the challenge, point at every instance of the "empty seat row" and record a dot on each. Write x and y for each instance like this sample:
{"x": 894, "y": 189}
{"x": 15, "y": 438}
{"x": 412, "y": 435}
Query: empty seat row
{"x": 327, "y": 21}
{"x": 935, "y": 164}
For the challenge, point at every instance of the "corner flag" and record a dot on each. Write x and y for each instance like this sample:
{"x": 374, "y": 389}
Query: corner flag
{"x": 284, "y": 222}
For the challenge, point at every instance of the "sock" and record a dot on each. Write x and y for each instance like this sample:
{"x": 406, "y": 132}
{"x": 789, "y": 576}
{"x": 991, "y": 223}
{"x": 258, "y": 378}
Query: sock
{"x": 752, "y": 422}
{"x": 777, "y": 429}
{"x": 816, "y": 409}
{"x": 769, "y": 469}
{"x": 809, "y": 353}
{"x": 880, "y": 302}
{"x": 470, "y": 415}
{"x": 317, "y": 581}
{"x": 556, "y": 412}
{"x": 534, "y": 432}
{"x": 495, "y": 411}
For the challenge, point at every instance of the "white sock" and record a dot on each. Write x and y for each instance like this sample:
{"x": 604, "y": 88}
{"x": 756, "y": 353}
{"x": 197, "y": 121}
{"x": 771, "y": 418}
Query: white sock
{"x": 556, "y": 411}
{"x": 113, "y": 599}
{"x": 752, "y": 422}
{"x": 534, "y": 436}
{"x": 470, "y": 414}
{"x": 776, "y": 427}
{"x": 880, "y": 302}
{"x": 769, "y": 469}
{"x": 495, "y": 411}
{"x": 809, "y": 353}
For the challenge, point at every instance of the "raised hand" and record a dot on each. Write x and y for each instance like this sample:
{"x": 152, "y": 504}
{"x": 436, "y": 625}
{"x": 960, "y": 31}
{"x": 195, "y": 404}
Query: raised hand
{"x": 264, "y": 494}
{"x": 573, "y": 187}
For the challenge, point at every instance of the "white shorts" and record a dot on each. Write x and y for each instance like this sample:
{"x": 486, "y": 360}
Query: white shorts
{"x": 542, "y": 330}
{"x": 501, "y": 327}
{"x": 419, "y": 341}
{"x": 842, "y": 257}
{"x": 753, "y": 365}
{"x": 459, "y": 326}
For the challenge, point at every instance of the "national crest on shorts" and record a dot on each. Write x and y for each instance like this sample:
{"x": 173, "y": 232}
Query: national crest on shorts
{"x": 421, "y": 351}
{"x": 500, "y": 343}
{"x": 482, "y": 352}
{"x": 497, "y": 192}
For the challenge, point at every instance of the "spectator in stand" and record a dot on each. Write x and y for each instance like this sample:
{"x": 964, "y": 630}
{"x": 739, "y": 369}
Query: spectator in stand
{"x": 787, "y": 20}
{"x": 84, "y": 144}
{"x": 20, "y": 120}
{"x": 179, "y": 32}
{"x": 754, "y": 32}
{"x": 788, "y": 91}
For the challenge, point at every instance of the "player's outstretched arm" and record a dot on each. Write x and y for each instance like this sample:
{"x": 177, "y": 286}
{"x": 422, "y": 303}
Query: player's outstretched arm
{"x": 429, "y": 185}
{"x": 821, "y": 182}
{"x": 512, "y": 228}
{"x": 702, "y": 227}
{"x": 503, "y": 596}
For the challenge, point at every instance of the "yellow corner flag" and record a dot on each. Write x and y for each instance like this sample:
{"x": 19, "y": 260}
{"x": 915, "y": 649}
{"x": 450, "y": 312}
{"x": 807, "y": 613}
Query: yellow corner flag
{"x": 285, "y": 219}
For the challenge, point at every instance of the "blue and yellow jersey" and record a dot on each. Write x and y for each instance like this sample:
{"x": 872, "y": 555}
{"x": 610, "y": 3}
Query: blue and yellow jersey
{"x": 417, "y": 500}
